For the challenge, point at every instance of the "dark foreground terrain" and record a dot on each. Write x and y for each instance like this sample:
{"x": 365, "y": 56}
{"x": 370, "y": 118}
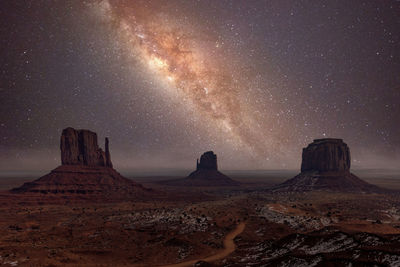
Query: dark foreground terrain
{"x": 244, "y": 225}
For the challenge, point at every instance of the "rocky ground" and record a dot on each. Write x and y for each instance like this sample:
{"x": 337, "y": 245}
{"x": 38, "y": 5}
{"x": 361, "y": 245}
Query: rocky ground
{"x": 310, "y": 229}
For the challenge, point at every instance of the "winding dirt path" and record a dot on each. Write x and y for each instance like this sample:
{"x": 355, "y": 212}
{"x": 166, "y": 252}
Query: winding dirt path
{"x": 229, "y": 247}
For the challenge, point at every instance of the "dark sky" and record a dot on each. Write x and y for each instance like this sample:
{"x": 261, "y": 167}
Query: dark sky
{"x": 255, "y": 81}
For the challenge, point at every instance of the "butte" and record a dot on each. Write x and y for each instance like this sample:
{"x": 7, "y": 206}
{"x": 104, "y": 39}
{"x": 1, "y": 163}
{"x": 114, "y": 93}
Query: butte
{"x": 206, "y": 174}
{"x": 326, "y": 166}
{"x": 86, "y": 170}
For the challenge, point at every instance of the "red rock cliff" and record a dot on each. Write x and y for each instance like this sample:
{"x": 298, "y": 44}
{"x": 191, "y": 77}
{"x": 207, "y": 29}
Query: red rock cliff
{"x": 326, "y": 155}
{"x": 79, "y": 147}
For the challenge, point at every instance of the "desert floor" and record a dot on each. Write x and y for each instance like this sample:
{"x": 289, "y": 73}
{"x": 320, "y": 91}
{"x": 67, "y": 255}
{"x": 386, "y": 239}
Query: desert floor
{"x": 229, "y": 226}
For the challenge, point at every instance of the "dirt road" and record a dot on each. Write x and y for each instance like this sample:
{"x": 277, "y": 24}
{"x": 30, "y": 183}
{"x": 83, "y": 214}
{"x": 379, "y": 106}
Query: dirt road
{"x": 229, "y": 247}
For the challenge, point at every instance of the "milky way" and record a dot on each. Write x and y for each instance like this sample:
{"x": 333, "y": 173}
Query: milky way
{"x": 182, "y": 59}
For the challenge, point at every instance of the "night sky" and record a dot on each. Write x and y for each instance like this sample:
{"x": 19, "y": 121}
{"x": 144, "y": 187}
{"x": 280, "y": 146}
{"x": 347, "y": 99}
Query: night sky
{"x": 254, "y": 81}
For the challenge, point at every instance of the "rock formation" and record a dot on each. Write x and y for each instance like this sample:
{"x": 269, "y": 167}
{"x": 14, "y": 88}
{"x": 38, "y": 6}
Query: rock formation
{"x": 326, "y": 155}
{"x": 85, "y": 170}
{"x": 108, "y": 156}
{"x": 79, "y": 147}
{"x": 326, "y": 166}
{"x": 206, "y": 174}
{"x": 208, "y": 161}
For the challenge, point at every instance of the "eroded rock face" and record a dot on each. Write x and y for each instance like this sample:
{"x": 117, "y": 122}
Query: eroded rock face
{"x": 108, "y": 156}
{"x": 326, "y": 167}
{"x": 206, "y": 174}
{"x": 208, "y": 161}
{"x": 86, "y": 170}
{"x": 326, "y": 155}
{"x": 79, "y": 147}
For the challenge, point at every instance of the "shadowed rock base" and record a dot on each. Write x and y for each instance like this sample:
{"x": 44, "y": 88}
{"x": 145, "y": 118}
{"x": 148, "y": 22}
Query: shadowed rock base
{"x": 70, "y": 179}
{"x": 328, "y": 181}
{"x": 204, "y": 178}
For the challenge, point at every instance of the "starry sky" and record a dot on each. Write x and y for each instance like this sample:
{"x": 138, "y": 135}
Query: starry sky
{"x": 254, "y": 81}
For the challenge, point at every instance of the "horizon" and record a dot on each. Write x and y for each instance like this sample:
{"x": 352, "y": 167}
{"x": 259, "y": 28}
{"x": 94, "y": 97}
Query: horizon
{"x": 47, "y": 159}
{"x": 182, "y": 172}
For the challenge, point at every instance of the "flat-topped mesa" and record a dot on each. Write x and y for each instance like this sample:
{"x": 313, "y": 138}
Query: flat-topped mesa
{"x": 326, "y": 155}
{"x": 208, "y": 161}
{"x": 326, "y": 166}
{"x": 79, "y": 147}
{"x": 86, "y": 170}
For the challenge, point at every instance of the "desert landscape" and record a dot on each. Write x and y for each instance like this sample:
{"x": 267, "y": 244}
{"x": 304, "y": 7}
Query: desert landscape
{"x": 84, "y": 213}
{"x": 190, "y": 133}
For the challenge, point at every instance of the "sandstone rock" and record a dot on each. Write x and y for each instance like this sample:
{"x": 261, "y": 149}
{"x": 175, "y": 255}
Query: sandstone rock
{"x": 326, "y": 166}
{"x": 326, "y": 155}
{"x": 84, "y": 180}
{"x": 206, "y": 174}
{"x": 86, "y": 170}
{"x": 108, "y": 156}
{"x": 208, "y": 161}
{"x": 79, "y": 147}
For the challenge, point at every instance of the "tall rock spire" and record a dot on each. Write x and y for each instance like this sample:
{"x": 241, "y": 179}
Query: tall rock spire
{"x": 108, "y": 156}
